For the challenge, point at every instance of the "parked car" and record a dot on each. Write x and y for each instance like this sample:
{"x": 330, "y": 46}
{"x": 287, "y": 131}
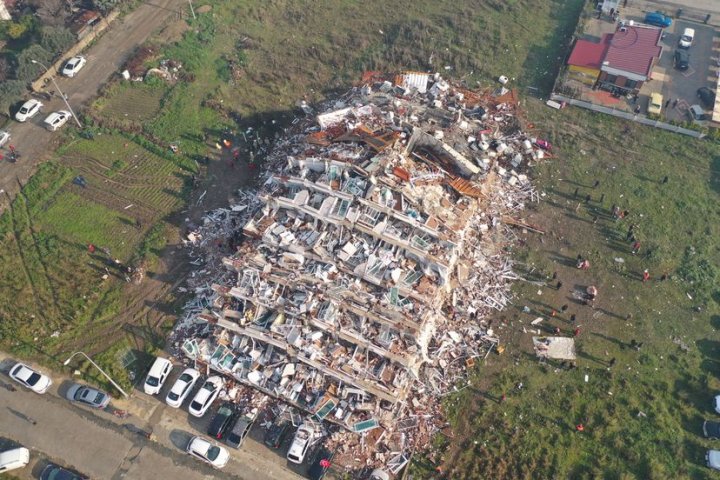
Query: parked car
{"x": 706, "y": 96}
{"x": 239, "y": 431}
{"x": 378, "y": 474}
{"x": 91, "y": 397}
{"x": 321, "y": 461}
{"x": 182, "y": 387}
{"x": 682, "y": 59}
{"x": 301, "y": 443}
{"x": 214, "y": 455}
{"x": 655, "y": 104}
{"x": 56, "y": 120}
{"x": 222, "y": 420}
{"x": 73, "y": 66}
{"x": 55, "y": 472}
{"x": 717, "y": 403}
{"x": 711, "y": 429}
{"x": 697, "y": 113}
{"x": 278, "y": 432}
{"x": 686, "y": 39}
{"x": 206, "y": 396}
{"x": 712, "y": 457}
{"x": 34, "y": 380}
{"x": 658, "y": 19}
{"x": 14, "y": 459}
{"x": 28, "y": 110}
{"x": 4, "y": 137}
{"x": 157, "y": 375}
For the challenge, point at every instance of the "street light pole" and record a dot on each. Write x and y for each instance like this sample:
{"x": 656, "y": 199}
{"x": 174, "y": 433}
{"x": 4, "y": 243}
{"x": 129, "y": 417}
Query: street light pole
{"x": 52, "y": 77}
{"x": 96, "y": 366}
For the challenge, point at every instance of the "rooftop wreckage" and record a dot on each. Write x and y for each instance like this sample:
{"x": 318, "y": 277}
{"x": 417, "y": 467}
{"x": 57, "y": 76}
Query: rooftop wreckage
{"x": 369, "y": 262}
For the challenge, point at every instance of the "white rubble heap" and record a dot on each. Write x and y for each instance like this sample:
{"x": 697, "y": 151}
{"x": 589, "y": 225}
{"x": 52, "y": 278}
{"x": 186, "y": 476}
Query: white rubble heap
{"x": 368, "y": 264}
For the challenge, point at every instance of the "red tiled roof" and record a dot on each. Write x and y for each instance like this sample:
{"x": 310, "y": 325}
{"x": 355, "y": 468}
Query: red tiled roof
{"x": 634, "y": 49}
{"x": 589, "y": 54}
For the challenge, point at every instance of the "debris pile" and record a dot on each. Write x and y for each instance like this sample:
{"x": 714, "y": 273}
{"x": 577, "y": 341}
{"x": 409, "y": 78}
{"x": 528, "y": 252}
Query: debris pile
{"x": 369, "y": 263}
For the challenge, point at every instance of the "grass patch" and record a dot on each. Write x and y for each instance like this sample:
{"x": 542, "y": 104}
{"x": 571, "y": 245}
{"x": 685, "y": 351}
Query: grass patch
{"x": 53, "y": 298}
{"x": 643, "y": 417}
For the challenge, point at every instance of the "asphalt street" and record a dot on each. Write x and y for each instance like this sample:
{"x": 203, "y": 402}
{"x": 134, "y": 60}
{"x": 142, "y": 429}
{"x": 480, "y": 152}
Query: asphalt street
{"x": 105, "y": 57}
{"x": 102, "y": 446}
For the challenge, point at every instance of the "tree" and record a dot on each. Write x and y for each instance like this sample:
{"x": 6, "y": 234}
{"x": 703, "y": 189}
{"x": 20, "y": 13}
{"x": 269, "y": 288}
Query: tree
{"x": 105, "y": 6}
{"x": 56, "y": 39}
{"x": 28, "y": 71}
{"x": 10, "y": 92}
{"x": 25, "y": 25}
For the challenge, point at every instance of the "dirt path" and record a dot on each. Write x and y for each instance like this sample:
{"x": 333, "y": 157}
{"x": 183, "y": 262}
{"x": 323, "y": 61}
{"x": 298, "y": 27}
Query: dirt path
{"x": 105, "y": 57}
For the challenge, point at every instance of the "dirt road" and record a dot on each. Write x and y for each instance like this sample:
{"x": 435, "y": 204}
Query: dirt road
{"x": 105, "y": 57}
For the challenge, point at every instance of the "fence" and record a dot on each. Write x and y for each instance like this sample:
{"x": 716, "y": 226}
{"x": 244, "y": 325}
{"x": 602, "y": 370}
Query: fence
{"x": 627, "y": 116}
{"x": 38, "y": 84}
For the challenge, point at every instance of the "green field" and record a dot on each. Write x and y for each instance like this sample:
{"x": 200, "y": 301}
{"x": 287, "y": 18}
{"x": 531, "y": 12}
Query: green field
{"x": 643, "y": 416}
{"x": 53, "y": 298}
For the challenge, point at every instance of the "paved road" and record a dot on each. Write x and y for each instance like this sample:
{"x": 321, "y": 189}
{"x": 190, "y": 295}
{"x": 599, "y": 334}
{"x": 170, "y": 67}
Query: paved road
{"x": 105, "y": 57}
{"x": 99, "y": 445}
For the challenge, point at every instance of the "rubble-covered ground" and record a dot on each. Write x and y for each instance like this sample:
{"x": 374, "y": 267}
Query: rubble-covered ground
{"x": 366, "y": 264}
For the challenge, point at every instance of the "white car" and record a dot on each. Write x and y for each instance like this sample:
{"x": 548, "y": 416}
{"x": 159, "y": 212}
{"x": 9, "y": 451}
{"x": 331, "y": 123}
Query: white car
{"x": 206, "y": 396}
{"x": 56, "y": 120}
{"x": 73, "y": 66}
{"x": 712, "y": 457}
{"x": 28, "y": 110}
{"x": 301, "y": 443}
{"x": 686, "y": 39}
{"x": 157, "y": 375}
{"x": 4, "y": 137}
{"x": 214, "y": 455}
{"x": 181, "y": 388}
{"x": 14, "y": 459}
{"x": 35, "y": 381}
{"x": 717, "y": 403}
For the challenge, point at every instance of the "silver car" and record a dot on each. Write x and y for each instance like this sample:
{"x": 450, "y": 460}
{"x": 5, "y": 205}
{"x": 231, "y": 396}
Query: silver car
{"x": 89, "y": 396}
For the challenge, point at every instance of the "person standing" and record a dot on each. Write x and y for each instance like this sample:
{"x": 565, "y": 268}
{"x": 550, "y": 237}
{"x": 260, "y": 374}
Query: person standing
{"x": 645, "y": 276}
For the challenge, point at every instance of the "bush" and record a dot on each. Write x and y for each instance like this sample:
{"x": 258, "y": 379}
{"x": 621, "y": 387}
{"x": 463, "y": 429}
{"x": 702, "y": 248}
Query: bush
{"x": 10, "y": 92}
{"x": 56, "y": 40}
{"x": 28, "y": 71}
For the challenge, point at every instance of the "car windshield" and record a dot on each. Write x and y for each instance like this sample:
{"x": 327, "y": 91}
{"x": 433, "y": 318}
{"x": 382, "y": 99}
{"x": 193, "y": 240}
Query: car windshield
{"x": 173, "y": 396}
{"x": 23, "y": 109}
{"x": 99, "y": 398}
{"x": 686, "y": 38}
{"x": 196, "y": 405}
{"x": 224, "y": 412}
{"x": 185, "y": 377}
{"x": 210, "y": 387}
{"x": 213, "y": 453}
{"x": 302, "y": 435}
{"x": 153, "y": 381}
{"x": 33, "y": 378}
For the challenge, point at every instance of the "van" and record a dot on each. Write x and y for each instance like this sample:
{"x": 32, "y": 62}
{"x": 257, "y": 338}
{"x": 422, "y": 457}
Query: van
{"x": 686, "y": 39}
{"x": 697, "y": 113}
{"x": 157, "y": 375}
{"x": 14, "y": 459}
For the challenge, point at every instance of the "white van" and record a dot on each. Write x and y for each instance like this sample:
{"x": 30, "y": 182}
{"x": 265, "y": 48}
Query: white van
{"x": 157, "y": 375}
{"x": 686, "y": 39}
{"x": 13, "y": 459}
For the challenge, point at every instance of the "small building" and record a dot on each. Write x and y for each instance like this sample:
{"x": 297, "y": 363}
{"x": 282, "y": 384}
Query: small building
{"x": 84, "y": 22}
{"x": 5, "y": 7}
{"x": 586, "y": 60}
{"x": 632, "y": 52}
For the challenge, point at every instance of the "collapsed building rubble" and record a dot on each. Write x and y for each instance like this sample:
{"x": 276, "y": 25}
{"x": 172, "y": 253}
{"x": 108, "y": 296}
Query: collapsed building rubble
{"x": 368, "y": 264}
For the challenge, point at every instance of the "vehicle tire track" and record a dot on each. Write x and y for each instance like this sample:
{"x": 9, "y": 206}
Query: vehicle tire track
{"x": 21, "y": 254}
{"x": 53, "y": 293}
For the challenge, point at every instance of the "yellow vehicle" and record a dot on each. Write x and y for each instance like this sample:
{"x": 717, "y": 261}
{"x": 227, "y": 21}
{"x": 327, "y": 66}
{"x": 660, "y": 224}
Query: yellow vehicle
{"x": 655, "y": 104}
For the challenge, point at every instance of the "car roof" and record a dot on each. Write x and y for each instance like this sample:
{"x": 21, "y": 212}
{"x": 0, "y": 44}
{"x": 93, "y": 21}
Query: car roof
{"x": 656, "y": 97}
{"x": 200, "y": 445}
{"x": 30, "y": 102}
{"x": 158, "y": 366}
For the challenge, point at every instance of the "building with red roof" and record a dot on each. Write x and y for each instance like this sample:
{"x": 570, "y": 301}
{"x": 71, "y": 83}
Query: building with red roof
{"x": 622, "y": 60}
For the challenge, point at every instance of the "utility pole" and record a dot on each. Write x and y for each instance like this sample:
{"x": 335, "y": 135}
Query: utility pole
{"x": 62, "y": 95}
